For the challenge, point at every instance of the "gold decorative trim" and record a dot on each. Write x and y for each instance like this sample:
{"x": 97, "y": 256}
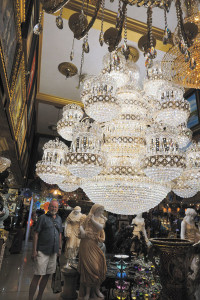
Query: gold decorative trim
{"x": 40, "y": 97}
{"x": 23, "y": 10}
{"x": 40, "y": 52}
{"x": 17, "y": 127}
{"x": 11, "y": 85}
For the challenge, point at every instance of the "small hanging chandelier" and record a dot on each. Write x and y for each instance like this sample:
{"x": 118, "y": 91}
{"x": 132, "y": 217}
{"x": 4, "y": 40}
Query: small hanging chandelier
{"x": 99, "y": 98}
{"x": 51, "y": 169}
{"x": 72, "y": 114}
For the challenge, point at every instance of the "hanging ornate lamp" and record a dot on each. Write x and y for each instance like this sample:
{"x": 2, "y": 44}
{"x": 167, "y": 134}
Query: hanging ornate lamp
{"x": 51, "y": 169}
{"x": 72, "y": 114}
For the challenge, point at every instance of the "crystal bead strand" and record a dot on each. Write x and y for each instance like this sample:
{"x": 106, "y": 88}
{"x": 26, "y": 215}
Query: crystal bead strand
{"x": 59, "y": 20}
{"x": 101, "y": 39}
{"x": 183, "y": 44}
{"x": 167, "y": 31}
{"x": 126, "y": 50}
{"x": 38, "y": 27}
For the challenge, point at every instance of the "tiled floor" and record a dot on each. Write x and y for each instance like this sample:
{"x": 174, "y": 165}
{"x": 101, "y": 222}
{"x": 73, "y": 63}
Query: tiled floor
{"x": 16, "y": 274}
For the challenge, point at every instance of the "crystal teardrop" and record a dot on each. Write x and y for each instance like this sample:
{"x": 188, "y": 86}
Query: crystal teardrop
{"x": 86, "y": 47}
{"x": 37, "y": 29}
{"x": 101, "y": 39}
{"x": 72, "y": 55}
{"x": 148, "y": 63}
{"x": 59, "y": 22}
{"x": 187, "y": 56}
{"x": 192, "y": 64}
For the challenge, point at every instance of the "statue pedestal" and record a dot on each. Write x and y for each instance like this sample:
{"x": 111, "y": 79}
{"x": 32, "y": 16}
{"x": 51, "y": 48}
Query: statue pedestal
{"x": 70, "y": 282}
{"x": 174, "y": 264}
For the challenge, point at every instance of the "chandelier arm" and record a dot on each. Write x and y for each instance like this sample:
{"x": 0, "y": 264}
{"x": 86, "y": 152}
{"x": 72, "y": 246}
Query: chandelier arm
{"x": 120, "y": 26}
{"x": 89, "y": 26}
{"x": 52, "y": 10}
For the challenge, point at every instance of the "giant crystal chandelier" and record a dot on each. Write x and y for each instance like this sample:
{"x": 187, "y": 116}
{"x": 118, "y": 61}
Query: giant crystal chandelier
{"x": 127, "y": 163}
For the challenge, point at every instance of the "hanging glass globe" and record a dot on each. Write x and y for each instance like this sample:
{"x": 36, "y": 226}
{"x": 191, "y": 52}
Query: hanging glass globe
{"x": 163, "y": 160}
{"x": 98, "y": 96}
{"x": 85, "y": 158}
{"x": 72, "y": 114}
{"x": 51, "y": 169}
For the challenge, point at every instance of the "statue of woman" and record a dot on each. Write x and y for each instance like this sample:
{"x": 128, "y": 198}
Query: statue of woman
{"x": 189, "y": 231}
{"x": 92, "y": 263}
{"x": 72, "y": 231}
{"x": 140, "y": 239}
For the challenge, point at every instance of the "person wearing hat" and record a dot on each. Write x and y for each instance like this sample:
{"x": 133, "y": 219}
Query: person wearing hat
{"x": 72, "y": 232}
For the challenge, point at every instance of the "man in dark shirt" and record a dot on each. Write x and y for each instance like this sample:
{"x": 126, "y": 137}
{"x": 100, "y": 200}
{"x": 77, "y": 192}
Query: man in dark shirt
{"x": 47, "y": 244}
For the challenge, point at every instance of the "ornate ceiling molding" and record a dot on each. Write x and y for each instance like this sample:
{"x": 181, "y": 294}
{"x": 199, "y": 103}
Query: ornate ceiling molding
{"x": 56, "y": 100}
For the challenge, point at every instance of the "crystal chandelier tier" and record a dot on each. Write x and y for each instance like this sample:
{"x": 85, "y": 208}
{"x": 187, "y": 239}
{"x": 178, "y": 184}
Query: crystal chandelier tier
{"x": 70, "y": 184}
{"x": 163, "y": 160}
{"x": 154, "y": 80}
{"x": 193, "y": 165}
{"x": 171, "y": 107}
{"x": 72, "y": 114}
{"x": 125, "y": 194}
{"x": 114, "y": 66}
{"x": 98, "y": 96}
{"x": 51, "y": 169}
{"x": 85, "y": 158}
{"x": 4, "y": 163}
{"x": 182, "y": 186}
{"x": 184, "y": 135}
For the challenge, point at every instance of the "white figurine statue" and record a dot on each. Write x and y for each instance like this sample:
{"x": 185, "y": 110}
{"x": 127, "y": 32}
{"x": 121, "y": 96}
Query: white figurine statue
{"x": 189, "y": 231}
{"x": 4, "y": 211}
{"x": 139, "y": 230}
{"x": 72, "y": 232}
